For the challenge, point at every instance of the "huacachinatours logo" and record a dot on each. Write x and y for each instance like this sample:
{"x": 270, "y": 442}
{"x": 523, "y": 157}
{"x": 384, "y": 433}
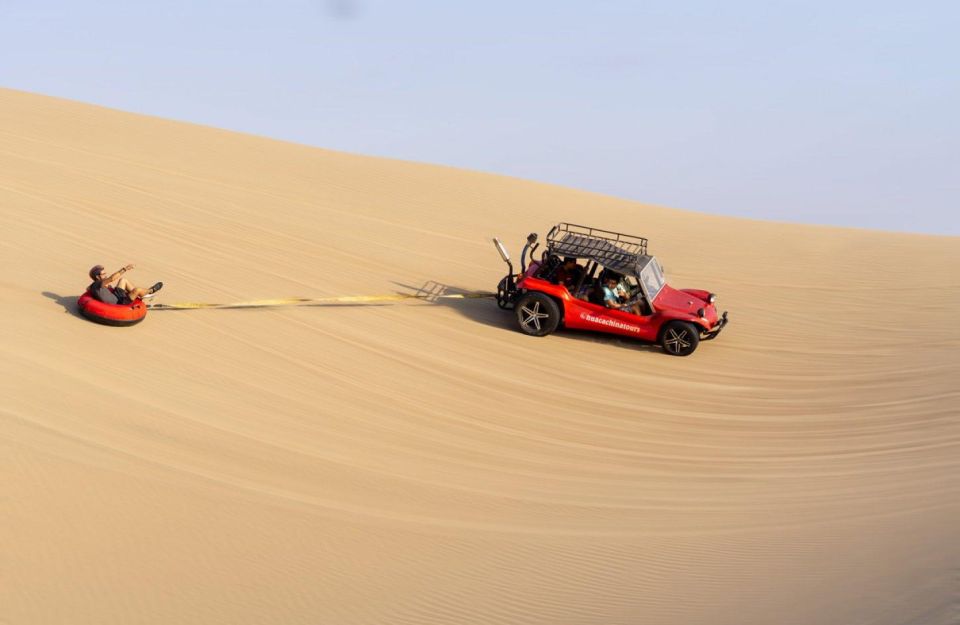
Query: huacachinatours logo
{"x": 613, "y": 323}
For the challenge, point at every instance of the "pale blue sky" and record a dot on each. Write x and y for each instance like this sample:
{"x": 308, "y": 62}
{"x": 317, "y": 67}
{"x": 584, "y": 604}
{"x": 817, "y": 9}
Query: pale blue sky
{"x": 821, "y": 112}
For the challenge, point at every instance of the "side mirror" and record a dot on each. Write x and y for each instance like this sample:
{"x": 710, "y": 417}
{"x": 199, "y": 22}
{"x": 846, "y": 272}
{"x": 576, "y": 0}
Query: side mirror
{"x": 504, "y": 254}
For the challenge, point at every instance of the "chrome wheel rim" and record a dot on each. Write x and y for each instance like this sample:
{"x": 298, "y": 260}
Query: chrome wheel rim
{"x": 676, "y": 341}
{"x": 530, "y": 317}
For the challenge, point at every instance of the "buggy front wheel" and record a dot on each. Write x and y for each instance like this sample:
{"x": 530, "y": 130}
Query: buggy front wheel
{"x": 537, "y": 314}
{"x": 679, "y": 338}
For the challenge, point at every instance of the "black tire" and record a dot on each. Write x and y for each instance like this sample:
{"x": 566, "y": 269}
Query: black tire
{"x": 504, "y": 297}
{"x": 537, "y": 314}
{"x": 679, "y": 338}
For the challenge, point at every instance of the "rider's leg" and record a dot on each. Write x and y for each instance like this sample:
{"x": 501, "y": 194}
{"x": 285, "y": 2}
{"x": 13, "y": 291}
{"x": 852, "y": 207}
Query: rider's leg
{"x": 136, "y": 292}
{"x": 133, "y": 292}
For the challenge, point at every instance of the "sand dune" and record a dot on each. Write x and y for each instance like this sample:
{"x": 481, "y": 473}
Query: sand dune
{"x": 423, "y": 462}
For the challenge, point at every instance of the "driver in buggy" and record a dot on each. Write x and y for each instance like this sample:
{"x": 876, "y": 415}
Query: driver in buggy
{"x": 615, "y": 295}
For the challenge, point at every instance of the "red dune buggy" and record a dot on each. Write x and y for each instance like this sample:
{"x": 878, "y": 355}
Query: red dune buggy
{"x": 592, "y": 279}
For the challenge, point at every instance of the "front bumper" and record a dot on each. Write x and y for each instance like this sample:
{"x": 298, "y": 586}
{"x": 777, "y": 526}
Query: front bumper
{"x": 712, "y": 333}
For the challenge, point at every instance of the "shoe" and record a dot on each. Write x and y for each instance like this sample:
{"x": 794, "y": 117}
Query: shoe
{"x": 156, "y": 287}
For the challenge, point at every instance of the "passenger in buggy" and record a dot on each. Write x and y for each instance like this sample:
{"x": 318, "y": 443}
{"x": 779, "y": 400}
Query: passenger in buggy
{"x": 115, "y": 289}
{"x": 569, "y": 273}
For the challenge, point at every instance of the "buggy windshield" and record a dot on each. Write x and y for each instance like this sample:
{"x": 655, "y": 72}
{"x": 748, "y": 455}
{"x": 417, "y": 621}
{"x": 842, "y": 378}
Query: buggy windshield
{"x": 651, "y": 277}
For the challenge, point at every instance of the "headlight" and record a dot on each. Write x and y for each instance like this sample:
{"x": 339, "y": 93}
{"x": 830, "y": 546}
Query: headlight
{"x": 712, "y": 298}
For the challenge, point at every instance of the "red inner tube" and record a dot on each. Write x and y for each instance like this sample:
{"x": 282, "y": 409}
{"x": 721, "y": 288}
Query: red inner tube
{"x": 111, "y": 314}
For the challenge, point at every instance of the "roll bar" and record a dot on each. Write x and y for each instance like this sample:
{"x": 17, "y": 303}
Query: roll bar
{"x": 531, "y": 245}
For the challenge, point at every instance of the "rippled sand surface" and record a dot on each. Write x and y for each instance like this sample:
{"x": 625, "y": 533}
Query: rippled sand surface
{"x": 423, "y": 462}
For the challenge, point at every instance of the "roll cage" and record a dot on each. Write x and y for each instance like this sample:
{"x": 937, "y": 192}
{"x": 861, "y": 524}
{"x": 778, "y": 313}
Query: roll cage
{"x": 611, "y": 249}
{"x": 614, "y": 251}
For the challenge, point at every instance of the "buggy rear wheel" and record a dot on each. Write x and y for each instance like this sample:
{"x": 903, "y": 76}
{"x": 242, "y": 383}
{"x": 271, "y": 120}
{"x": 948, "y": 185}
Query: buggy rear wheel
{"x": 680, "y": 338}
{"x": 537, "y": 314}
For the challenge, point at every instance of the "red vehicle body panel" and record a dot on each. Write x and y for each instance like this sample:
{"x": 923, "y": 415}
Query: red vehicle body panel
{"x": 669, "y": 304}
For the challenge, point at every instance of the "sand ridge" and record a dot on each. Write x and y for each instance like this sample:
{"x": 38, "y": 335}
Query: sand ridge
{"x": 423, "y": 462}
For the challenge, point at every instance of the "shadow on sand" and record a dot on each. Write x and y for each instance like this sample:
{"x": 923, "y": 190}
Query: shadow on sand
{"x": 69, "y": 303}
{"x": 485, "y": 310}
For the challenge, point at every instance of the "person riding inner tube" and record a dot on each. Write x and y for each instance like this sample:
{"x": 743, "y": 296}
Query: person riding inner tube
{"x": 115, "y": 289}
{"x": 113, "y": 300}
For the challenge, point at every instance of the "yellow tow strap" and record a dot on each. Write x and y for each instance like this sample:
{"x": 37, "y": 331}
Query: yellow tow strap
{"x": 307, "y": 301}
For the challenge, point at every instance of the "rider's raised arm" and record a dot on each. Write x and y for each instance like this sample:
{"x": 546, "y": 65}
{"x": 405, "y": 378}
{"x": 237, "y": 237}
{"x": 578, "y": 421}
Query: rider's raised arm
{"x": 116, "y": 274}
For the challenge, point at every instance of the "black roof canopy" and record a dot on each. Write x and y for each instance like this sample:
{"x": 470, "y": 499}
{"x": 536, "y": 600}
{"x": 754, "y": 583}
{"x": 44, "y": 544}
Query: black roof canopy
{"x": 623, "y": 253}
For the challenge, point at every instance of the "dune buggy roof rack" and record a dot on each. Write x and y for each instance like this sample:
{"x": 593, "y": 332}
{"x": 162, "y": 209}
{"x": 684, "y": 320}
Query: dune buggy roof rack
{"x": 621, "y": 252}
